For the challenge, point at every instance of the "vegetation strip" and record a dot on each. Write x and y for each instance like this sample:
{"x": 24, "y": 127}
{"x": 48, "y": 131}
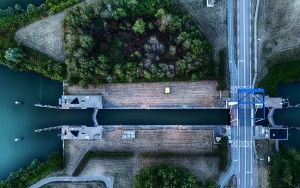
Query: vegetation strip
{"x": 222, "y": 73}
{"x": 223, "y": 153}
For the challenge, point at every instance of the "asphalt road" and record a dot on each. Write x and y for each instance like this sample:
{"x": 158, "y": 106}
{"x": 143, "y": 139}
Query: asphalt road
{"x": 245, "y": 128}
{"x": 240, "y": 77}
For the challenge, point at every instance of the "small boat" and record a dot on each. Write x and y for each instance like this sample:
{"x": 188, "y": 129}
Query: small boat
{"x": 18, "y": 139}
{"x": 18, "y": 102}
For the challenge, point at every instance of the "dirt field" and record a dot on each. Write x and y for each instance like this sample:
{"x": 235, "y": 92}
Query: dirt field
{"x": 123, "y": 171}
{"x": 278, "y": 32}
{"x": 45, "y": 36}
{"x": 191, "y": 141}
{"x": 193, "y": 149}
{"x": 263, "y": 148}
{"x": 151, "y": 95}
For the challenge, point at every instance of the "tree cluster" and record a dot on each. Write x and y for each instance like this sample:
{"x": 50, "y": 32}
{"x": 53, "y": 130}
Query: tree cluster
{"x": 134, "y": 41}
{"x": 33, "y": 173}
{"x": 167, "y": 176}
{"x": 285, "y": 171}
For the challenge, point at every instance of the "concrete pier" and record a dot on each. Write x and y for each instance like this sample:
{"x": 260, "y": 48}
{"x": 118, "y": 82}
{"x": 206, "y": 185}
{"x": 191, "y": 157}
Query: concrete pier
{"x": 273, "y": 102}
{"x": 81, "y": 133}
{"x": 80, "y": 101}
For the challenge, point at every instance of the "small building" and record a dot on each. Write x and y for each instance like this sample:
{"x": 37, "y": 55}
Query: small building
{"x": 278, "y": 133}
{"x": 210, "y": 3}
{"x": 273, "y": 102}
{"x": 167, "y": 90}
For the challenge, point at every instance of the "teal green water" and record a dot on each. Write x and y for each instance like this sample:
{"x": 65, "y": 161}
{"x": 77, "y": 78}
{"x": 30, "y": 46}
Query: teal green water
{"x": 21, "y": 120}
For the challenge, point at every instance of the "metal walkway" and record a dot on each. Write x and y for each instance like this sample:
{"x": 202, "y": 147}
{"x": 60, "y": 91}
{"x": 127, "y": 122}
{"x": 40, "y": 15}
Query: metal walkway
{"x": 47, "y": 129}
{"x": 95, "y": 117}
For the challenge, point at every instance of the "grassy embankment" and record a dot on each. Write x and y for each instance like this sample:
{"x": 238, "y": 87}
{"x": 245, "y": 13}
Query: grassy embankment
{"x": 33, "y": 173}
{"x": 280, "y": 74}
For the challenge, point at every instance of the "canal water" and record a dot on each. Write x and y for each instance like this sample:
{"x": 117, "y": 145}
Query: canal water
{"x": 163, "y": 117}
{"x": 290, "y": 116}
{"x": 22, "y": 120}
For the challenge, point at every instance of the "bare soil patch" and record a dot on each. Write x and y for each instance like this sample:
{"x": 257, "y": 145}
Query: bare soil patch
{"x": 45, "y": 36}
{"x": 263, "y": 174}
{"x": 212, "y": 21}
{"x": 123, "y": 171}
{"x": 278, "y": 33}
{"x": 263, "y": 150}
